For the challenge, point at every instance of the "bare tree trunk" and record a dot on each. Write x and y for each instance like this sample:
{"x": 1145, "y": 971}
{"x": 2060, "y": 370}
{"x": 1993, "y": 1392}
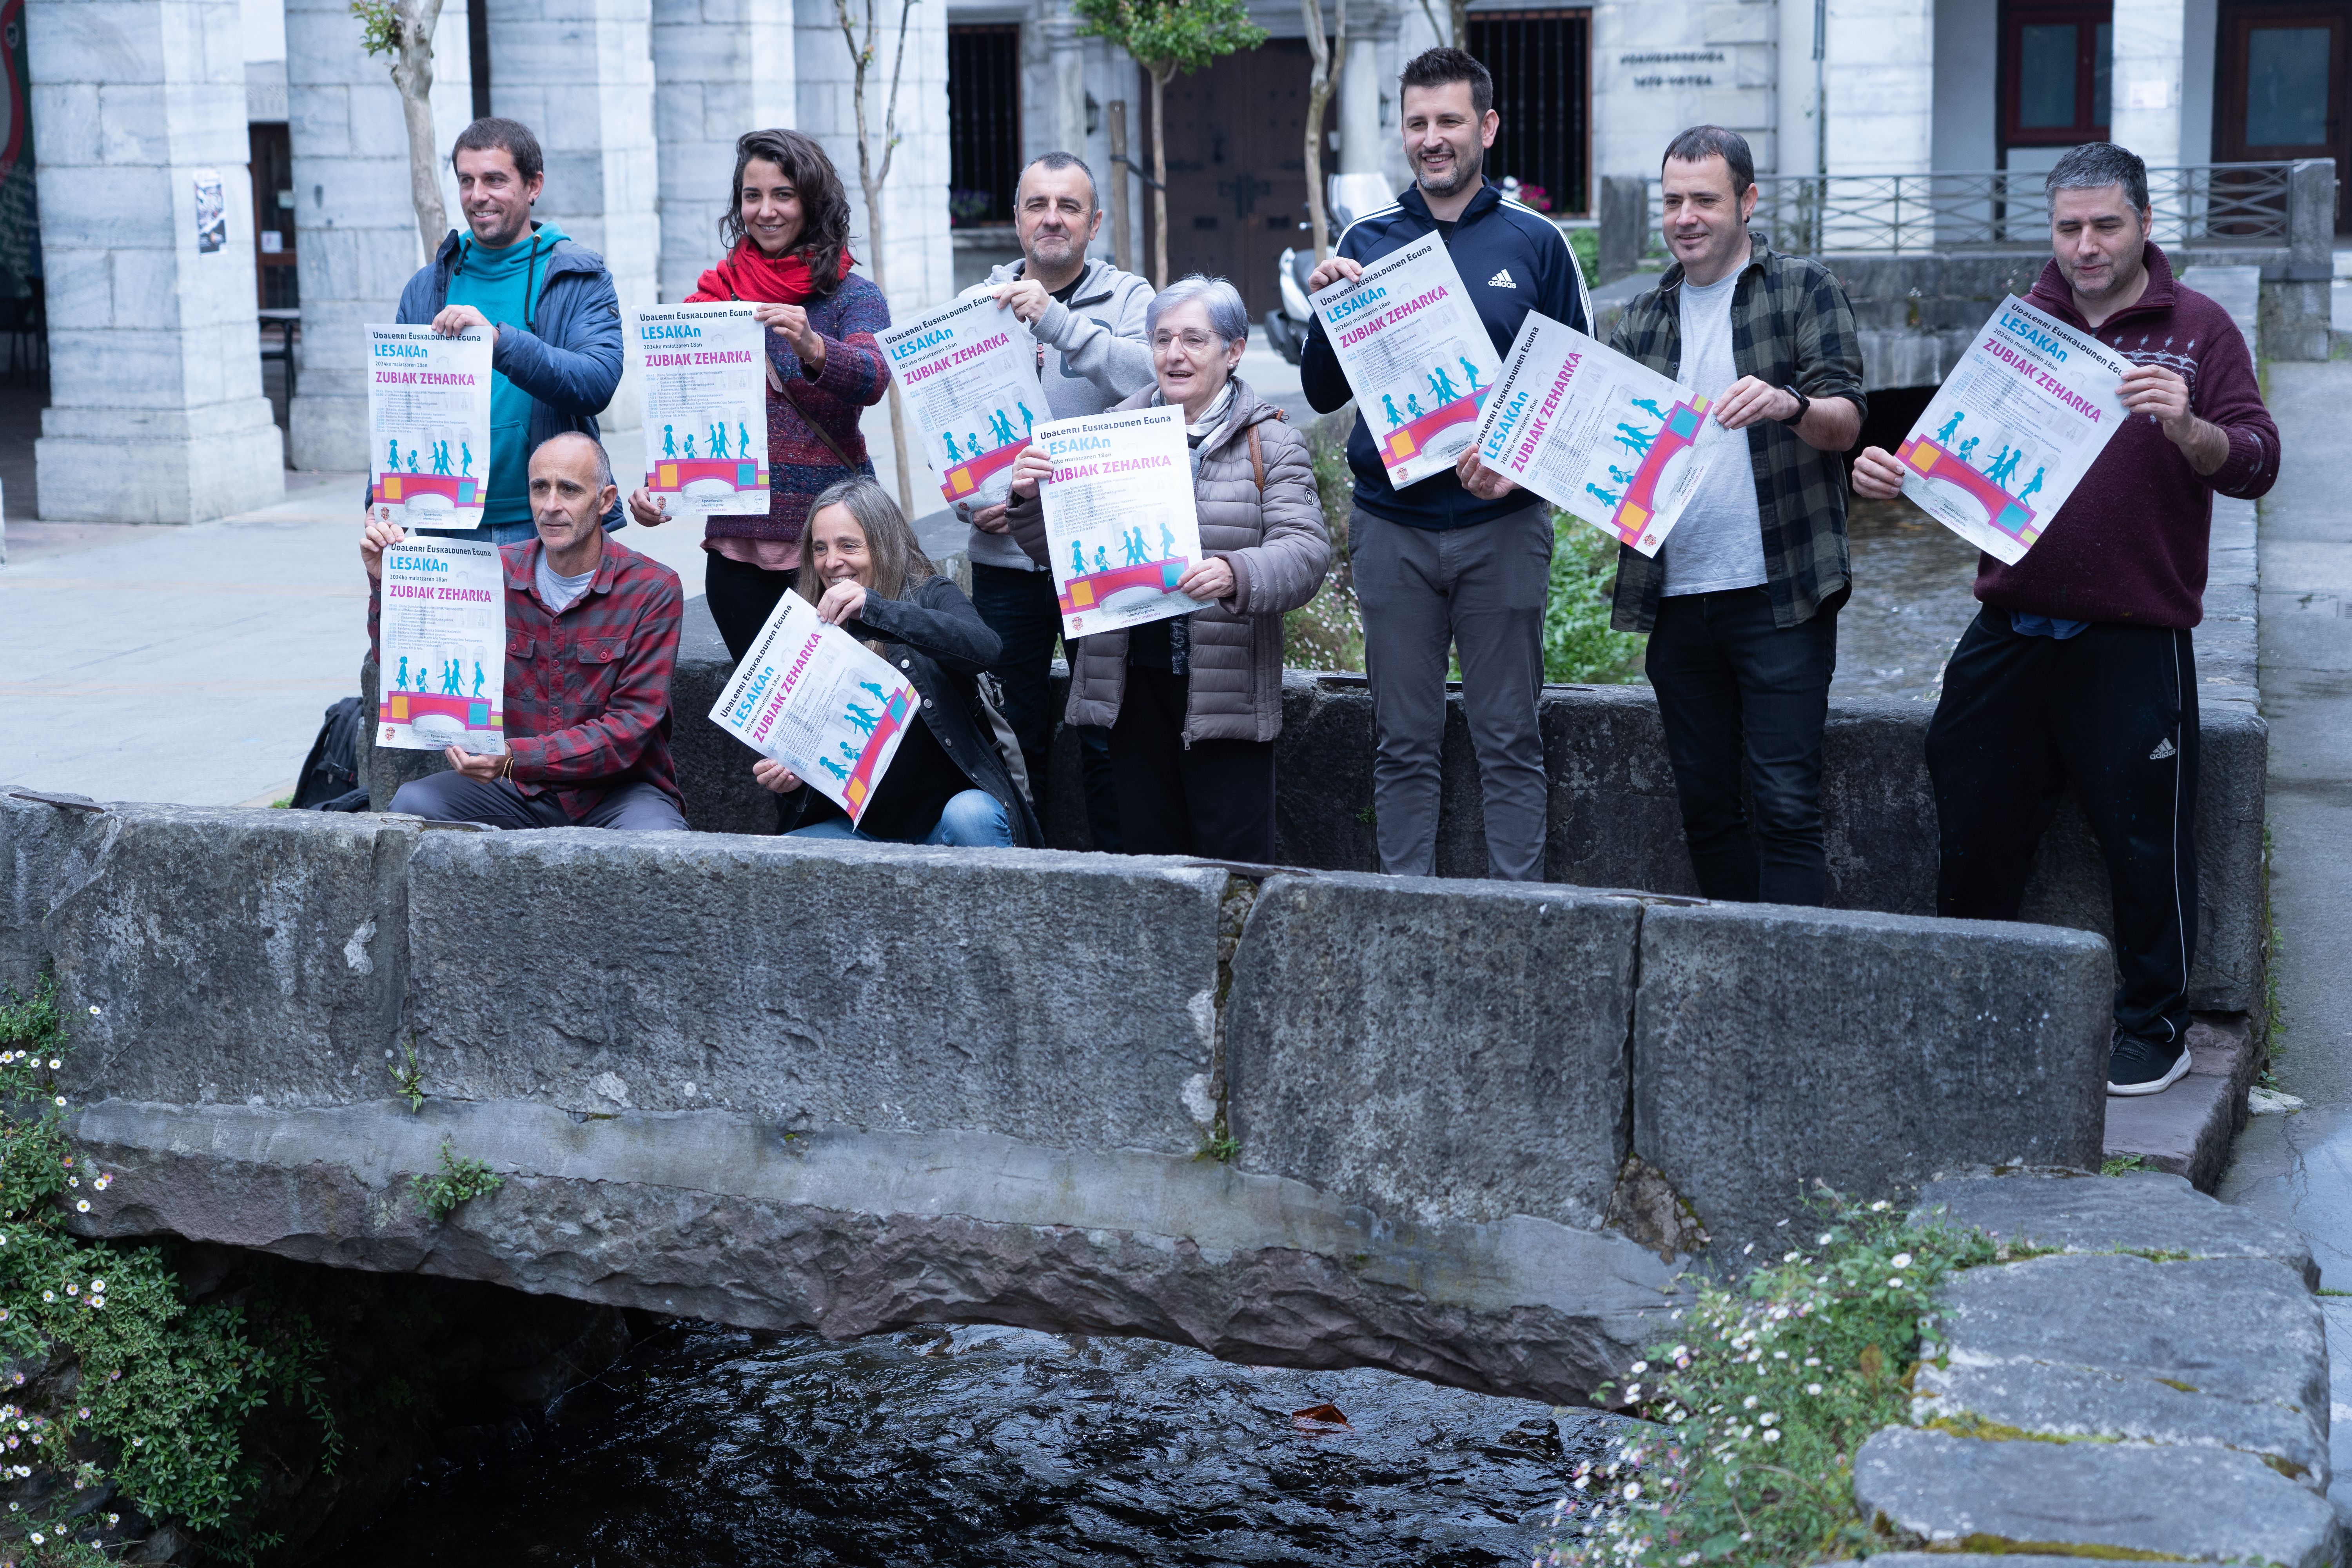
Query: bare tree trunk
{"x": 870, "y": 179}
{"x": 412, "y": 73}
{"x": 1458, "y": 13}
{"x": 1159, "y": 73}
{"x": 1322, "y": 82}
{"x": 1444, "y": 35}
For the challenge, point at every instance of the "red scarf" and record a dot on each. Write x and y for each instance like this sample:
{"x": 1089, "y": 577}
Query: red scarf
{"x": 750, "y": 273}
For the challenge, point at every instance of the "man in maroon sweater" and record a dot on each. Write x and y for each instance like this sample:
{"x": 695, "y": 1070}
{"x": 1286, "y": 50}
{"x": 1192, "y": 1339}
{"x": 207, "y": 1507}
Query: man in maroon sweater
{"x": 2079, "y": 669}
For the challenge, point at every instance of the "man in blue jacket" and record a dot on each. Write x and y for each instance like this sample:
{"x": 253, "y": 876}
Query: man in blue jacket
{"x": 556, "y": 357}
{"x": 1437, "y": 564}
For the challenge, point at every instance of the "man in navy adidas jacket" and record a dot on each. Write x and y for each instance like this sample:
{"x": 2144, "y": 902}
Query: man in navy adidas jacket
{"x": 1436, "y": 565}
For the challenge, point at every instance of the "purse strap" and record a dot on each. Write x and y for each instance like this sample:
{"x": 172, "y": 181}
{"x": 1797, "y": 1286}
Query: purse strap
{"x": 822, "y": 435}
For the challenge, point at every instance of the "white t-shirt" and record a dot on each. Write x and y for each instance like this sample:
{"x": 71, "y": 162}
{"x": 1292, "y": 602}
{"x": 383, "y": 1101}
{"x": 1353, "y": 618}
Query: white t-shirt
{"x": 559, "y": 591}
{"x": 1718, "y": 545}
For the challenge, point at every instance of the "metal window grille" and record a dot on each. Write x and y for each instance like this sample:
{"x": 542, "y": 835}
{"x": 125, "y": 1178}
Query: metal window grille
{"x": 1542, "y": 66}
{"x": 983, "y": 123}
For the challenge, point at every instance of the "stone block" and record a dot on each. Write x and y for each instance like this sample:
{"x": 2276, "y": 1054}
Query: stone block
{"x": 1434, "y": 1049}
{"x": 1951, "y": 1038}
{"x": 2228, "y": 1353}
{"x": 1323, "y": 774}
{"x": 1052, "y": 1000}
{"x": 45, "y": 852}
{"x": 2146, "y": 1213}
{"x": 2187, "y": 1128}
{"x": 251, "y": 955}
{"x": 1613, "y": 818}
{"x": 2108, "y": 1500}
{"x": 714, "y": 768}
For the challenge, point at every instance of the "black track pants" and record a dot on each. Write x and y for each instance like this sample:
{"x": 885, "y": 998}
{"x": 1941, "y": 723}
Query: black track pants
{"x": 2111, "y": 714}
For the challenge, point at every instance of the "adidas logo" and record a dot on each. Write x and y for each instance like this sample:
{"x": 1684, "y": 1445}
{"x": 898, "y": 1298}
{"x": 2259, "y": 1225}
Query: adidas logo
{"x": 2163, "y": 750}
{"x": 1501, "y": 281}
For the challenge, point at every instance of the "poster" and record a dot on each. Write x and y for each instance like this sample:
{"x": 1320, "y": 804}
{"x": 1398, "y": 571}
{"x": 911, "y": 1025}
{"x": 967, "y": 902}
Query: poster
{"x": 1120, "y": 528}
{"x": 1598, "y": 435}
{"x": 969, "y": 372}
{"x": 815, "y": 699}
{"x": 428, "y": 426}
{"x": 2013, "y": 429}
{"x": 1416, "y": 355}
{"x": 702, "y": 370}
{"x": 441, "y": 650}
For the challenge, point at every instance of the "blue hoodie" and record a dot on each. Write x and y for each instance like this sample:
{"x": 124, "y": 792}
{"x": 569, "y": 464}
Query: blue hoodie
{"x": 1513, "y": 259}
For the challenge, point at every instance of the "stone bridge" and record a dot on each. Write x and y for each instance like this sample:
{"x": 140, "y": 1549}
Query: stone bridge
{"x": 1470, "y": 1132}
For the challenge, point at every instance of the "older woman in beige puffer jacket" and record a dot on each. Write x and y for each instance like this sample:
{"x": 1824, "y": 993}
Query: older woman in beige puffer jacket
{"x": 1193, "y": 704}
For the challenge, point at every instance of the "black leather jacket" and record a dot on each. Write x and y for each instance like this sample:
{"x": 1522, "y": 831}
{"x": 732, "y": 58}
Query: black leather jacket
{"x": 939, "y": 641}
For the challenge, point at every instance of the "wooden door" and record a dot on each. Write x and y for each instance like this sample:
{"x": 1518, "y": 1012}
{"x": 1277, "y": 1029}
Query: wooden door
{"x": 2282, "y": 89}
{"x": 1236, "y": 167}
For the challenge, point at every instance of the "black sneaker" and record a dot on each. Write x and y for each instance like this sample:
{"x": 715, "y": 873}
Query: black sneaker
{"x": 2144, "y": 1067}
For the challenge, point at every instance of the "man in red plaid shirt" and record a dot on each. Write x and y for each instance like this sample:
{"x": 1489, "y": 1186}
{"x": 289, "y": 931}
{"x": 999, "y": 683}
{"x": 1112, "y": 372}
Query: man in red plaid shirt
{"x": 592, "y": 636}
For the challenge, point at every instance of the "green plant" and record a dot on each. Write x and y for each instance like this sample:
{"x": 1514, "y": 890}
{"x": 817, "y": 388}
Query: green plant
{"x": 164, "y": 1390}
{"x": 460, "y": 1180}
{"x": 1762, "y": 1403}
{"x": 1578, "y": 645}
{"x": 408, "y": 1077}
{"x": 2122, "y": 1164}
{"x": 1219, "y": 1146}
{"x": 1586, "y": 243}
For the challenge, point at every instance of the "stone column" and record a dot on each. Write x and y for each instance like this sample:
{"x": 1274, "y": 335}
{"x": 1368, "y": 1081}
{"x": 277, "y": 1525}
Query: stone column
{"x": 1066, "y": 88}
{"x": 580, "y": 73}
{"x": 1364, "y": 141}
{"x": 2146, "y": 114}
{"x": 920, "y": 268}
{"x": 155, "y": 407}
{"x": 356, "y": 243}
{"x": 1880, "y": 86}
{"x": 720, "y": 68}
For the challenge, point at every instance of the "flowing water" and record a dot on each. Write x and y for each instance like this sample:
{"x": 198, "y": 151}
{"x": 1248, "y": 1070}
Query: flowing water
{"x": 1911, "y": 602}
{"x": 980, "y": 1447}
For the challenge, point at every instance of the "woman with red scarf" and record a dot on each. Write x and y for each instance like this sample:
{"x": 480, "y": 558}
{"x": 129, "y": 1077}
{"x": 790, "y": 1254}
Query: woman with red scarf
{"x": 787, "y": 234}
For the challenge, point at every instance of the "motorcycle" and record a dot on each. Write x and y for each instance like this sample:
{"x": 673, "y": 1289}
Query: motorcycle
{"x": 1346, "y": 197}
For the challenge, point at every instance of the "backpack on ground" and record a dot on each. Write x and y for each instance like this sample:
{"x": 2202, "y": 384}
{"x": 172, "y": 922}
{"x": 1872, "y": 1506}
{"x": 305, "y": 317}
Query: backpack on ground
{"x": 329, "y": 779}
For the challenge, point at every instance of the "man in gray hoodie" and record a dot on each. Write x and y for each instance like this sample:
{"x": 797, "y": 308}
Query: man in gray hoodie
{"x": 1087, "y": 318}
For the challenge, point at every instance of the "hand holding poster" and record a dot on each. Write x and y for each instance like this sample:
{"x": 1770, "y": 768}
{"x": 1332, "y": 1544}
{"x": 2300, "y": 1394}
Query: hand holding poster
{"x": 969, "y": 370}
{"x": 2013, "y": 429}
{"x": 817, "y": 700}
{"x": 441, "y": 646}
{"x": 1415, "y": 354}
{"x": 1596, "y": 434}
{"x": 702, "y": 370}
{"x": 1120, "y": 526}
{"x": 428, "y": 426}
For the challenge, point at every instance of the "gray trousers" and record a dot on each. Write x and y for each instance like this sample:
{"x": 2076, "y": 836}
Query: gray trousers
{"x": 454, "y": 797}
{"x": 1481, "y": 590}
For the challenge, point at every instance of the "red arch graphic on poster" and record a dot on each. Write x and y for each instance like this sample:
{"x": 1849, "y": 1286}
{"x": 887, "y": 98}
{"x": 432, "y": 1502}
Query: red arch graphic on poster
{"x": 1931, "y": 460}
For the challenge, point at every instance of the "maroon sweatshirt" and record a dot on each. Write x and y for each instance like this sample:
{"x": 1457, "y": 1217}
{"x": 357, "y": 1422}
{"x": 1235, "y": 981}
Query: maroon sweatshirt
{"x": 2130, "y": 543}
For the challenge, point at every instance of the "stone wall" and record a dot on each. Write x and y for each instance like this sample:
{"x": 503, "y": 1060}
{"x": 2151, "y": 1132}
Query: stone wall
{"x": 1464, "y": 1129}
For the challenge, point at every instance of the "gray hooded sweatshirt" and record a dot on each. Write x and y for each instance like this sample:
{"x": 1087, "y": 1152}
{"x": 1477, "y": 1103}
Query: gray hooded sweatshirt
{"x": 1095, "y": 359}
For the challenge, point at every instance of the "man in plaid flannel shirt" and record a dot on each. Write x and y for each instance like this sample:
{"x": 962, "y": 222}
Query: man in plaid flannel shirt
{"x": 591, "y": 637}
{"x": 1741, "y": 603}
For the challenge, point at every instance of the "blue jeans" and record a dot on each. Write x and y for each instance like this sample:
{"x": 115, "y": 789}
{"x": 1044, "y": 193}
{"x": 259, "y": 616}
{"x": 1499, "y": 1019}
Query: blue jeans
{"x": 972, "y": 820}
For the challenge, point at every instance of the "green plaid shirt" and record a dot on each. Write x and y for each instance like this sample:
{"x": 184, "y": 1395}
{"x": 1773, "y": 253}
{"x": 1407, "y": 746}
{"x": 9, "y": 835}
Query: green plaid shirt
{"x": 1790, "y": 326}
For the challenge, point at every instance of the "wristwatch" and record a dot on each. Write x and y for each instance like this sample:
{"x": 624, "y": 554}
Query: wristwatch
{"x": 1804, "y": 404}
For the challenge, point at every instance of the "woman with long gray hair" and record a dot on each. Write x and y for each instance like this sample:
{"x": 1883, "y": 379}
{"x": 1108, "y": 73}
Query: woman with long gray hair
{"x": 948, "y": 784}
{"x": 1194, "y": 703}
{"x": 786, "y": 230}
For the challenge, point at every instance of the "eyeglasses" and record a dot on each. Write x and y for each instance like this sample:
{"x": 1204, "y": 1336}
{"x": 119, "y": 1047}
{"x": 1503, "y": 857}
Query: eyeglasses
{"x": 1196, "y": 341}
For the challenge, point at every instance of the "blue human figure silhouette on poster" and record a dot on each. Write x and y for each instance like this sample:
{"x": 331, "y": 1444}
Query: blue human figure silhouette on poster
{"x": 465, "y": 457}
{"x": 1469, "y": 371}
{"x": 848, "y": 753}
{"x": 400, "y": 681}
{"x": 1650, "y": 407}
{"x": 743, "y": 440}
{"x": 716, "y": 444}
{"x": 1620, "y": 475}
{"x": 879, "y": 695}
{"x": 479, "y": 678}
{"x": 1604, "y": 497}
{"x": 1442, "y": 386}
{"x": 1130, "y": 544}
{"x": 1952, "y": 425}
{"x": 948, "y": 437}
{"x": 1028, "y": 420}
{"x": 1969, "y": 450}
{"x": 2032, "y": 484}
{"x": 1077, "y": 559}
{"x": 412, "y": 459}
{"x": 862, "y": 717}
{"x": 1166, "y": 543}
{"x": 1102, "y": 559}
{"x": 669, "y": 440}
{"x": 392, "y": 457}
{"x": 1412, "y": 405}
{"x": 1635, "y": 441}
{"x": 999, "y": 427}
{"x": 835, "y": 769}
{"x": 1388, "y": 401}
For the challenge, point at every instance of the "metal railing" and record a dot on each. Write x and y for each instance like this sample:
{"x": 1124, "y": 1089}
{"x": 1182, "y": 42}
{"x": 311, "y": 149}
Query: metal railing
{"x": 2004, "y": 209}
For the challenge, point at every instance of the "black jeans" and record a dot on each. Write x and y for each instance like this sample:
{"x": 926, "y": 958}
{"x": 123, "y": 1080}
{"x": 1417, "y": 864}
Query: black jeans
{"x": 1734, "y": 688}
{"x": 741, "y": 597}
{"x": 1020, "y": 608}
{"x": 1212, "y": 798}
{"x": 2110, "y": 713}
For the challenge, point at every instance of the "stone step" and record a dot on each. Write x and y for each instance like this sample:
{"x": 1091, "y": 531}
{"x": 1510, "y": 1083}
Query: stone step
{"x": 2187, "y": 1128}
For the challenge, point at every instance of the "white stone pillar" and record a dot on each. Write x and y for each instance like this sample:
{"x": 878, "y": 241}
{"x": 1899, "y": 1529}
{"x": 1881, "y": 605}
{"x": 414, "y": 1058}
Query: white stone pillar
{"x": 1880, "y": 74}
{"x": 580, "y": 73}
{"x": 155, "y": 407}
{"x": 720, "y": 68}
{"x": 1066, "y": 88}
{"x": 356, "y": 243}
{"x": 2150, "y": 35}
{"x": 1363, "y": 139}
